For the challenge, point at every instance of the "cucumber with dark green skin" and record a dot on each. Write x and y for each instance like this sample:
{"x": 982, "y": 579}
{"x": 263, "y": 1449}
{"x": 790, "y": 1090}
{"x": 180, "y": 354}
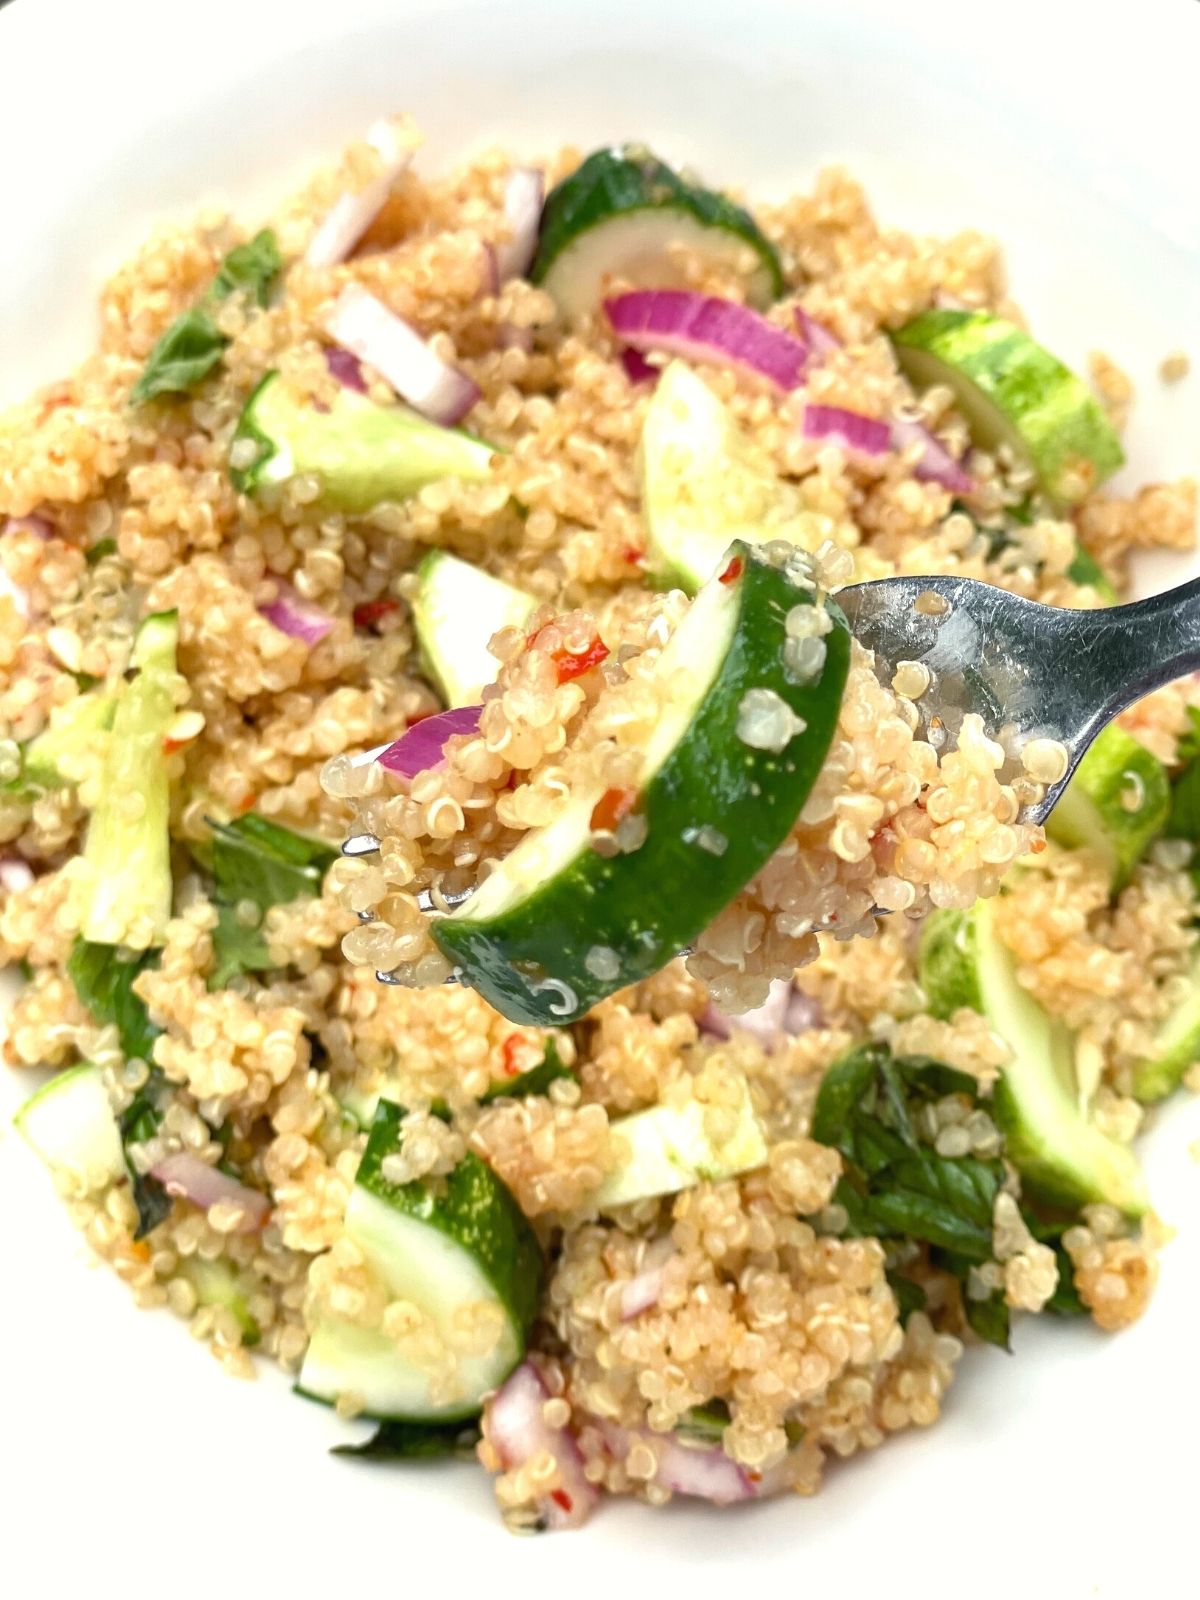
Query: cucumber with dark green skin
{"x": 1013, "y": 391}
{"x": 445, "y": 1244}
{"x": 616, "y": 215}
{"x": 524, "y": 938}
{"x": 1116, "y": 803}
{"x": 363, "y": 454}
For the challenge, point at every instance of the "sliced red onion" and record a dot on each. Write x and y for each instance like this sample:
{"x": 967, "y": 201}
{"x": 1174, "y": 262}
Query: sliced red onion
{"x": 643, "y": 1290}
{"x": 346, "y": 368}
{"x": 523, "y": 196}
{"x": 16, "y": 875}
{"x": 638, "y": 369}
{"x": 705, "y": 328}
{"x": 420, "y": 747}
{"x": 186, "y": 1176}
{"x": 366, "y": 327}
{"x": 40, "y": 527}
{"x": 703, "y": 1471}
{"x": 352, "y": 214}
{"x": 783, "y": 1014}
{"x": 516, "y": 1426}
{"x": 835, "y": 425}
{"x": 935, "y": 464}
{"x": 292, "y": 614}
{"x": 816, "y": 335}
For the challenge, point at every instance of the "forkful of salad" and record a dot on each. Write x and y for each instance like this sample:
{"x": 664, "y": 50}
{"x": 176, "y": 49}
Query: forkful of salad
{"x": 765, "y": 762}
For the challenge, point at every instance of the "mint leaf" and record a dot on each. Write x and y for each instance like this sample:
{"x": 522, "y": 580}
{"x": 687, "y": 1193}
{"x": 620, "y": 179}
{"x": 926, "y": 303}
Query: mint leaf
{"x": 259, "y": 861}
{"x": 103, "y": 980}
{"x": 250, "y": 268}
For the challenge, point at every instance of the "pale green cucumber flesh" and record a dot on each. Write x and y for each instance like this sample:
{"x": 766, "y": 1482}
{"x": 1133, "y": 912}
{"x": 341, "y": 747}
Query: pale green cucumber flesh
{"x": 1116, "y": 803}
{"x": 456, "y": 610}
{"x": 126, "y": 863}
{"x": 1013, "y": 391}
{"x": 70, "y": 1124}
{"x": 1176, "y": 1047}
{"x": 72, "y": 729}
{"x": 1048, "y": 1137}
{"x": 667, "y": 1148}
{"x": 361, "y": 453}
{"x": 557, "y": 926}
{"x": 702, "y": 486}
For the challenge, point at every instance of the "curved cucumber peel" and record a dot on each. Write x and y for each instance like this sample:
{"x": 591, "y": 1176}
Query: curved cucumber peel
{"x": 703, "y": 486}
{"x": 446, "y": 1245}
{"x": 1048, "y": 1137}
{"x": 668, "y": 1148}
{"x": 620, "y": 214}
{"x": 538, "y": 933}
{"x": 456, "y": 610}
{"x": 125, "y": 883}
{"x": 1012, "y": 391}
{"x": 1176, "y": 1047}
{"x": 1117, "y": 801}
{"x": 363, "y": 454}
{"x": 70, "y": 1125}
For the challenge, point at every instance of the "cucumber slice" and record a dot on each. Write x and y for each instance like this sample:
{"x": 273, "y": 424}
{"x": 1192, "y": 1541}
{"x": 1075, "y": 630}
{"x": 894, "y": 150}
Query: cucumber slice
{"x": 557, "y": 926}
{"x": 72, "y": 729}
{"x": 668, "y": 1148}
{"x": 623, "y": 214}
{"x": 125, "y": 881}
{"x": 362, "y": 453}
{"x": 69, "y": 1123}
{"x": 703, "y": 485}
{"x": 445, "y": 1246}
{"x": 1176, "y": 1046}
{"x": 1059, "y": 1153}
{"x": 1117, "y": 801}
{"x": 456, "y": 610}
{"x": 1014, "y": 392}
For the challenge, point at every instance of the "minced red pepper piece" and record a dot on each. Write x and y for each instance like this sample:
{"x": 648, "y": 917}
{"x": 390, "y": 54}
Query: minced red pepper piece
{"x": 612, "y": 805}
{"x": 561, "y": 1498}
{"x": 371, "y": 611}
{"x": 519, "y": 1054}
{"x": 733, "y": 571}
{"x": 574, "y": 666}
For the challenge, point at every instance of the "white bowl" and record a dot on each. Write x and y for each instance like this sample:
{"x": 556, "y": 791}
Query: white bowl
{"x": 133, "y": 1462}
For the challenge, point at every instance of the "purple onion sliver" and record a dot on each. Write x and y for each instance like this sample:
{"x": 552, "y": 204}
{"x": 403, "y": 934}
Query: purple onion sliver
{"x": 186, "y": 1175}
{"x": 523, "y": 196}
{"x": 421, "y": 746}
{"x": 935, "y": 464}
{"x": 517, "y": 1428}
{"x": 637, "y": 368}
{"x": 816, "y": 335}
{"x": 40, "y": 527}
{"x": 851, "y": 430}
{"x": 702, "y": 327}
{"x": 346, "y": 368}
{"x": 299, "y": 618}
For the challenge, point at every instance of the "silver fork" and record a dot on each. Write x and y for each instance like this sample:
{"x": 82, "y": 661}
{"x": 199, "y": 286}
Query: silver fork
{"x": 1030, "y": 670}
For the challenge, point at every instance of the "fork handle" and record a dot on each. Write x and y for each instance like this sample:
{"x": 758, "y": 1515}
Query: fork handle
{"x": 1141, "y": 646}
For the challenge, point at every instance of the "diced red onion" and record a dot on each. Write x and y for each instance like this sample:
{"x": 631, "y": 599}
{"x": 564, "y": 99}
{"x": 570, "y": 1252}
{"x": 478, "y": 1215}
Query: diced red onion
{"x": 16, "y": 875}
{"x": 702, "y": 327}
{"x": 638, "y": 369}
{"x": 346, "y": 368}
{"x": 816, "y": 335}
{"x": 835, "y": 425}
{"x": 366, "y": 327}
{"x": 935, "y": 464}
{"x": 523, "y": 196}
{"x": 703, "y": 1471}
{"x": 420, "y": 747}
{"x": 352, "y": 214}
{"x": 40, "y": 527}
{"x": 516, "y": 1427}
{"x": 186, "y": 1176}
{"x": 783, "y": 1014}
{"x": 490, "y": 276}
{"x": 642, "y": 1291}
{"x": 299, "y": 618}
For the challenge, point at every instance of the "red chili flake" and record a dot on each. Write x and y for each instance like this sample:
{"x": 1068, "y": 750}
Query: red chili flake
{"x": 520, "y": 1054}
{"x": 370, "y": 612}
{"x": 62, "y": 395}
{"x": 171, "y": 745}
{"x": 733, "y": 571}
{"x": 246, "y": 804}
{"x": 561, "y": 1498}
{"x": 612, "y": 805}
{"x": 574, "y": 666}
{"x": 633, "y": 556}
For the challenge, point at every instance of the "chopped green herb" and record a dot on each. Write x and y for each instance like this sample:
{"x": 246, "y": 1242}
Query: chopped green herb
{"x": 413, "y": 1441}
{"x": 97, "y": 552}
{"x": 910, "y": 1296}
{"x": 256, "y": 861}
{"x": 707, "y": 1422}
{"x": 193, "y": 344}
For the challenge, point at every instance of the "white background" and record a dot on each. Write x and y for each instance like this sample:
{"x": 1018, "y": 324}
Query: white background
{"x": 1070, "y": 130}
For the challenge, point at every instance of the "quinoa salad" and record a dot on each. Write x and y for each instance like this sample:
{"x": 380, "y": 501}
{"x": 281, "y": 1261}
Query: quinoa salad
{"x": 492, "y": 945}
